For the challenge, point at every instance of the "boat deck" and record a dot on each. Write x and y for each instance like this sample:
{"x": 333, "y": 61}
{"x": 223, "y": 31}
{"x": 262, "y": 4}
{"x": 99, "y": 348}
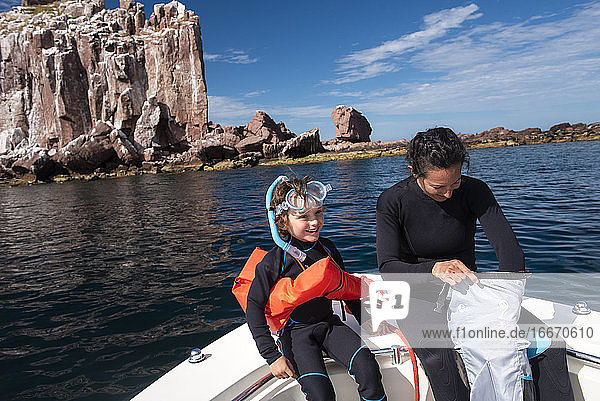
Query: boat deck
{"x": 233, "y": 364}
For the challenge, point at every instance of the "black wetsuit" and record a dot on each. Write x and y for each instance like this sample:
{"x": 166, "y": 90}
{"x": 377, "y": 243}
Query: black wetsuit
{"x": 414, "y": 232}
{"x": 312, "y": 329}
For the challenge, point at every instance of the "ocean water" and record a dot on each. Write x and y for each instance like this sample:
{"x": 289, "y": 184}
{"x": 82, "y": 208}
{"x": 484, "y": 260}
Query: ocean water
{"x": 106, "y": 285}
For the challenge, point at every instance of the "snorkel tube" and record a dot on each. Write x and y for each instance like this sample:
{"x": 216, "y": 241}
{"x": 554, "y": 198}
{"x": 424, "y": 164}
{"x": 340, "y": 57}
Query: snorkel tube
{"x": 286, "y": 246}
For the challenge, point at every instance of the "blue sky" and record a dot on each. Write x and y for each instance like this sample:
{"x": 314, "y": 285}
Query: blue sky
{"x": 407, "y": 66}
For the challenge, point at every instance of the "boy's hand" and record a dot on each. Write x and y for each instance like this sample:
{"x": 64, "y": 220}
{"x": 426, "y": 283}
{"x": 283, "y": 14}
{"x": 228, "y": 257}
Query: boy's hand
{"x": 282, "y": 368}
{"x": 383, "y": 329}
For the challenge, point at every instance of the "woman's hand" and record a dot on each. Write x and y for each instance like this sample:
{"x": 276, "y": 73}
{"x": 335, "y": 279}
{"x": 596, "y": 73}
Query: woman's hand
{"x": 453, "y": 272}
{"x": 282, "y": 368}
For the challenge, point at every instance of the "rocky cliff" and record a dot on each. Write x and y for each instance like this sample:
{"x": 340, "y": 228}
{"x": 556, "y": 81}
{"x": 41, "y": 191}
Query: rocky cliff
{"x": 87, "y": 90}
{"x": 65, "y": 67}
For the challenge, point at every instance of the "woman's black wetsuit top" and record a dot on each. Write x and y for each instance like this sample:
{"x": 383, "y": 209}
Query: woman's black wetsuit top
{"x": 272, "y": 268}
{"x": 414, "y": 231}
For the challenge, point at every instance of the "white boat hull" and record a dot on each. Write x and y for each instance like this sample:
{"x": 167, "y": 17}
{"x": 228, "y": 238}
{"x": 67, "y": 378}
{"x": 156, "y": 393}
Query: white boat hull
{"x": 233, "y": 364}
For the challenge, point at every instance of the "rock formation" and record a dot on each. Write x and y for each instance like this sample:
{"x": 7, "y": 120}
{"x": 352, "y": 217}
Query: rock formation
{"x": 67, "y": 66}
{"x": 11, "y": 139}
{"x": 260, "y": 136}
{"x": 26, "y": 3}
{"x": 173, "y": 52}
{"x": 303, "y": 145}
{"x": 156, "y": 128}
{"x": 104, "y": 145}
{"x": 339, "y": 145}
{"x": 563, "y": 132}
{"x": 350, "y": 124}
{"x": 219, "y": 143}
{"x": 34, "y": 160}
{"x": 86, "y": 89}
{"x": 264, "y": 127}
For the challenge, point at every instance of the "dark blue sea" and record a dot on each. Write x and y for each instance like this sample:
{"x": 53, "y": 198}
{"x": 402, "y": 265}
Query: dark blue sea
{"x": 106, "y": 285}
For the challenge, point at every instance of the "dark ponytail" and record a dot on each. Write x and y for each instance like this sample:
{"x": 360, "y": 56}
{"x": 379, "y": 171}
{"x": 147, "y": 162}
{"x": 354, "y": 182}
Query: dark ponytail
{"x": 434, "y": 149}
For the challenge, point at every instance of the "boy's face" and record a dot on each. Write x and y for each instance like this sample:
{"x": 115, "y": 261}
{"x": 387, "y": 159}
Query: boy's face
{"x": 306, "y": 226}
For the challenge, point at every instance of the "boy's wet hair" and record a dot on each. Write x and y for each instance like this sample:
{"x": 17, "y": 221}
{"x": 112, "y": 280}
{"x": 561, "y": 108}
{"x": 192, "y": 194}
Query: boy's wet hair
{"x": 279, "y": 194}
{"x": 434, "y": 149}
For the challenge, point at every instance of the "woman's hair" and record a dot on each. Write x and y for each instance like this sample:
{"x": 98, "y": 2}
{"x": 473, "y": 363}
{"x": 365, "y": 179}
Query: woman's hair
{"x": 280, "y": 192}
{"x": 434, "y": 149}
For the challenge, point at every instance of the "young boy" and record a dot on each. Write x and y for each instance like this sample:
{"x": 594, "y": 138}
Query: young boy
{"x": 312, "y": 327}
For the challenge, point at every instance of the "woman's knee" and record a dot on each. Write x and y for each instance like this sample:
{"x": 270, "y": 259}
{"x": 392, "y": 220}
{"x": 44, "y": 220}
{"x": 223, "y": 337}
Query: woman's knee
{"x": 437, "y": 359}
{"x": 551, "y": 375}
{"x": 317, "y": 387}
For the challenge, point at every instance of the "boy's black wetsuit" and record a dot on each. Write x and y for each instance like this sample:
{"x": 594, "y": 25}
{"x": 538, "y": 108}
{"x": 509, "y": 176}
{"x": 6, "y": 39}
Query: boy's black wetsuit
{"x": 414, "y": 232}
{"x": 312, "y": 328}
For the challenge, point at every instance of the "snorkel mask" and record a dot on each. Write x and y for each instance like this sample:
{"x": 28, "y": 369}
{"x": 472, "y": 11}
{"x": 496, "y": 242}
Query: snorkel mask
{"x": 296, "y": 204}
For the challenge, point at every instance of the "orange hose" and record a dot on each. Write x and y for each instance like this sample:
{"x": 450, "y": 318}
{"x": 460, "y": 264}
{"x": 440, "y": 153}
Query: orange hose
{"x": 411, "y": 352}
{"x": 413, "y": 359}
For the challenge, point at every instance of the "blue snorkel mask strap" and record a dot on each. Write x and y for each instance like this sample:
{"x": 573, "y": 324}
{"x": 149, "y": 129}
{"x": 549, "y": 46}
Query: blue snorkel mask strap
{"x": 286, "y": 246}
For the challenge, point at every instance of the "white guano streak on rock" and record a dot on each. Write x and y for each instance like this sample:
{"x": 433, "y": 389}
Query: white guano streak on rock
{"x": 194, "y": 74}
{"x": 156, "y": 71}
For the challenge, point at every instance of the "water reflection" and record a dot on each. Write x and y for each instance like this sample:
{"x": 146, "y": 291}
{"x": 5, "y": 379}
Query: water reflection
{"x": 95, "y": 271}
{"x": 547, "y": 194}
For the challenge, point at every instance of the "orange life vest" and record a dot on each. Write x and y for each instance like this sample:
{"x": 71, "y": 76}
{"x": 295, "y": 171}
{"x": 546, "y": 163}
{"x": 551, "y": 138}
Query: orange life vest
{"x": 323, "y": 278}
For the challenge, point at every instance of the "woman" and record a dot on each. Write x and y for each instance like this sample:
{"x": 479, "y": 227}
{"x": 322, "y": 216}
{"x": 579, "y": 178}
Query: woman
{"x": 426, "y": 224}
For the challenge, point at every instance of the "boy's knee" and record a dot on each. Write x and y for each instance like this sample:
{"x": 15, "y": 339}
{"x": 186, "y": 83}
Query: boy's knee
{"x": 365, "y": 371}
{"x": 362, "y": 359}
{"x": 365, "y": 366}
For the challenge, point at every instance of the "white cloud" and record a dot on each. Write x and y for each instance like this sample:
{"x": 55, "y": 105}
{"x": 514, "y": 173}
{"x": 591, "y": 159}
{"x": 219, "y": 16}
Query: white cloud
{"x": 231, "y": 56}
{"x": 369, "y": 63}
{"x": 255, "y": 93}
{"x": 302, "y": 112}
{"x": 525, "y": 71}
{"x": 226, "y": 110}
{"x": 370, "y": 70}
{"x": 338, "y": 93}
{"x": 371, "y": 94}
{"x": 542, "y": 63}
